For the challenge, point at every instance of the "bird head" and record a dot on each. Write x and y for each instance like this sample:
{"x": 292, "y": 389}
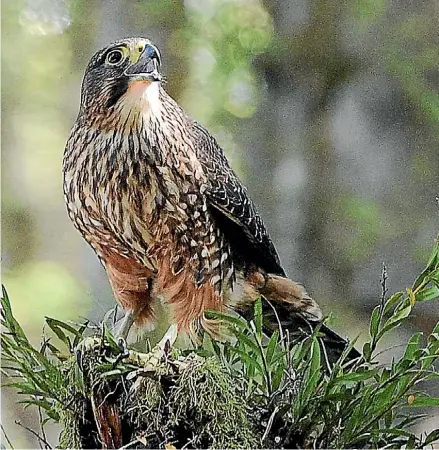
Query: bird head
{"x": 131, "y": 64}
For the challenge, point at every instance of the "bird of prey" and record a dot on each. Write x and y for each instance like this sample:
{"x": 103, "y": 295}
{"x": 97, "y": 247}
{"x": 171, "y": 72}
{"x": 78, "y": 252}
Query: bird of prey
{"x": 152, "y": 192}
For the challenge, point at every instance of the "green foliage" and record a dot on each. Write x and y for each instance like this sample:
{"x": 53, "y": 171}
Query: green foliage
{"x": 354, "y": 404}
{"x": 295, "y": 400}
{"x": 368, "y": 12}
{"x": 413, "y": 55}
{"x": 363, "y": 219}
{"x": 223, "y": 43}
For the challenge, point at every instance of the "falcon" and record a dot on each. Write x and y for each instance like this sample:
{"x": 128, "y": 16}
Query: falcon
{"x": 153, "y": 194}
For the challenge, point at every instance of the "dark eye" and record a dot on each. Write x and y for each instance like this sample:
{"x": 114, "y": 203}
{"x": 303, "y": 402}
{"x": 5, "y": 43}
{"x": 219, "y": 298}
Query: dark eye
{"x": 115, "y": 57}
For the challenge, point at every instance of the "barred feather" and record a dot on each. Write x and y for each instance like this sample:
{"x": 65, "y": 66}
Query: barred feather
{"x": 154, "y": 195}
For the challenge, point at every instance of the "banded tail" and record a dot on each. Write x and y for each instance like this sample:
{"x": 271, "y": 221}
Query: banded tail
{"x": 286, "y": 302}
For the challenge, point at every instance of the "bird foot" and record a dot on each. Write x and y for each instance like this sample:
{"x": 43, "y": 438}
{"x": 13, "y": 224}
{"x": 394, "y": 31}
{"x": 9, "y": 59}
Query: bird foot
{"x": 151, "y": 360}
{"x": 168, "y": 339}
{"x": 110, "y": 317}
{"x": 163, "y": 348}
{"x": 87, "y": 345}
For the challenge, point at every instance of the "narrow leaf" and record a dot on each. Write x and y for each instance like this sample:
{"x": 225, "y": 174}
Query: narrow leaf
{"x": 427, "y": 294}
{"x": 392, "y": 301}
{"x": 424, "y": 401}
{"x": 272, "y": 347}
{"x": 375, "y": 322}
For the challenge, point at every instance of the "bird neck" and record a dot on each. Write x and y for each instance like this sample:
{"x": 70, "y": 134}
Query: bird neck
{"x": 142, "y": 101}
{"x": 145, "y": 109}
{"x": 145, "y": 115}
{"x": 157, "y": 119}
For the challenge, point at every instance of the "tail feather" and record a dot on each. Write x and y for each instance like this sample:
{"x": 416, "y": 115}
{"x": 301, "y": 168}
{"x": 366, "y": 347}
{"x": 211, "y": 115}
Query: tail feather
{"x": 288, "y": 293}
{"x": 286, "y": 302}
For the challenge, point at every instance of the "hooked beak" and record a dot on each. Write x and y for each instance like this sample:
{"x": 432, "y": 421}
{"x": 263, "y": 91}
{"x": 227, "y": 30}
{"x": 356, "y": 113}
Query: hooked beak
{"x": 147, "y": 66}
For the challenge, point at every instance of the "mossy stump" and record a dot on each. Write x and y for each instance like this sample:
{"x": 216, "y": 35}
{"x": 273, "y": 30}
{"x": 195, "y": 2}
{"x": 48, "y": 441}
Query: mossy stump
{"x": 152, "y": 400}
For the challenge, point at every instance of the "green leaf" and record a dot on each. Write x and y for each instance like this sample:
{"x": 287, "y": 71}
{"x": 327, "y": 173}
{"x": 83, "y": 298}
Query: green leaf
{"x": 427, "y": 294}
{"x": 228, "y": 319}
{"x": 24, "y": 388}
{"x": 246, "y": 359}
{"x": 424, "y": 401}
{"x": 79, "y": 334}
{"x": 434, "y": 276}
{"x": 412, "y": 346}
{"x": 54, "y": 325}
{"x": 271, "y": 347}
{"x": 109, "y": 338}
{"x": 356, "y": 376}
{"x": 58, "y": 323}
{"x": 395, "y": 320}
{"x": 375, "y": 321}
{"x": 433, "y": 436}
{"x": 8, "y": 320}
{"x": 278, "y": 377}
{"x": 367, "y": 351}
{"x": 313, "y": 372}
{"x": 49, "y": 410}
{"x": 244, "y": 339}
{"x": 427, "y": 361}
{"x": 411, "y": 442}
{"x": 258, "y": 318}
{"x": 409, "y": 420}
{"x": 394, "y": 432}
{"x": 432, "y": 264}
{"x": 392, "y": 301}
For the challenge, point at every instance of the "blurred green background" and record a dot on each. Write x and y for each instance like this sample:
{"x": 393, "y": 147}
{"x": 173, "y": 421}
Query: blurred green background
{"x": 328, "y": 109}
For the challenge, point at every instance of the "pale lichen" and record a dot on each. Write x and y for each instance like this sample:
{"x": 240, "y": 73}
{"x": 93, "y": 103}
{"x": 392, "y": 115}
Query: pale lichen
{"x": 181, "y": 401}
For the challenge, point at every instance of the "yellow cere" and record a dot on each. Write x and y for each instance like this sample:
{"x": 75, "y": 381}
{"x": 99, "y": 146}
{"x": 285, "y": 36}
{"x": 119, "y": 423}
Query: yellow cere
{"x": 137, "y": 51}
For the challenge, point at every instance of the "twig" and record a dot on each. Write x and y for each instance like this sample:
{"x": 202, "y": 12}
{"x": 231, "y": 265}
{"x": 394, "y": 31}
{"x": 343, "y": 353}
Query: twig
{"x": 325, "y": 354}
{"x": 384, "y": 289}
{"x": 108, "y": 395}
{"x": 393, "y": 347}
{"x": 115, "y": 316}
{"x": 40, "y": 438}
{"x": 279, "y": 324}
{"x": 136, "y": 441}
{"x": 6, "y": 436}
{"x": 190, "y": 441}
{"x": 269, "y": 424}
{"x": 288, "y": 351}
{"x": 40, "y": 415}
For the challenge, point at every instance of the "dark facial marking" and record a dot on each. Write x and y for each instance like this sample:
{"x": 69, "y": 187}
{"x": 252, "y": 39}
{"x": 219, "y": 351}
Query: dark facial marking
{"x": 104, "y": 79}
{"x": 119, "y": 88}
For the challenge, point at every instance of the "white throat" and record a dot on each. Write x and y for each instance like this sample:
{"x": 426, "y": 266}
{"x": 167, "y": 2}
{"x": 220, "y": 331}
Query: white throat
{"x": 141, "y": 99}
{"x": 152, "y": 95}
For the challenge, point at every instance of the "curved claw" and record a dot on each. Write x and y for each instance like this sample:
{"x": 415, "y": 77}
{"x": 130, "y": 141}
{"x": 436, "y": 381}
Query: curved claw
{"x": 168, "y": 340}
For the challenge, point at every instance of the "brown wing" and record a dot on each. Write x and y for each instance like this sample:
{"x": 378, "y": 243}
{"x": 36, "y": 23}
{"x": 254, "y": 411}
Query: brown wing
{"x": 232, "y": 207}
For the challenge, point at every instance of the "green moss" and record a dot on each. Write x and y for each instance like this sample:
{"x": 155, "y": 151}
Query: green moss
{"x": 177, "y": 401}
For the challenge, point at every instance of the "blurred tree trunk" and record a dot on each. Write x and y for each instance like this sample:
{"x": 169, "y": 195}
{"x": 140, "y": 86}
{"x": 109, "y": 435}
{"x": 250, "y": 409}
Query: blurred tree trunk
{"x": 300, "y": 83}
